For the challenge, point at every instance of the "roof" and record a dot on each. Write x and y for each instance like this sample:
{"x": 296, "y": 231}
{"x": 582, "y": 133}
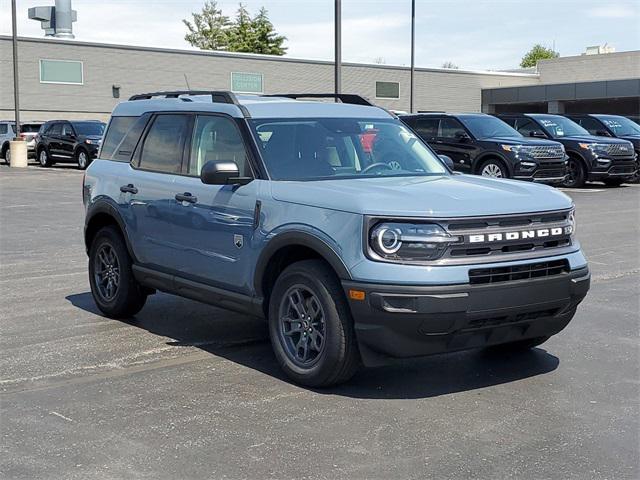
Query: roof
{"x": 446, "y": 114}
{"x": 254, "y": 106}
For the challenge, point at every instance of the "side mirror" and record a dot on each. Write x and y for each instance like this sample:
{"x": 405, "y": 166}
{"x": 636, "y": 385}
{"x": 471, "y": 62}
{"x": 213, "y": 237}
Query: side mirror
{"x": 222, "y": 173}
{"x": 602, "y": 133}
{"x": 537, "y": 134}
{"x": 447, "y": 161}
{"x": 462, "y": 136}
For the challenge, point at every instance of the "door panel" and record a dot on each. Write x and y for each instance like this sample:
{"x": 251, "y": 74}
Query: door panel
{"x": 449, "y": 143}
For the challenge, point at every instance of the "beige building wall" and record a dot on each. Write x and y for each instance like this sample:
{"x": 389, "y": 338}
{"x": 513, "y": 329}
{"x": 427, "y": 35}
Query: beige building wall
{"x": 139, "y": 70}
{"x": 590, "y": 68}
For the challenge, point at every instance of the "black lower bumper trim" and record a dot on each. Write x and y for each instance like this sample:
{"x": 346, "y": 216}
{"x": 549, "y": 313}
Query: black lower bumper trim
{"x": 408, "y": 321}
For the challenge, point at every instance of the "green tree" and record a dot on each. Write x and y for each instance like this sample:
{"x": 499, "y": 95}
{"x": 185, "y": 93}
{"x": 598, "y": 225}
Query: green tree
{"x": 210, "y": 29}
{"x": 537, "y": 52}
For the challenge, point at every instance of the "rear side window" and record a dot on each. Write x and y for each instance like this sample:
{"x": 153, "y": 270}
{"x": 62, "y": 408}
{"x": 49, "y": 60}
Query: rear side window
{"x": 164, "y": 145}
{"x": 3, "y": 129}
{"x": 29, "y": 127}
{"x": 118, "y": 128}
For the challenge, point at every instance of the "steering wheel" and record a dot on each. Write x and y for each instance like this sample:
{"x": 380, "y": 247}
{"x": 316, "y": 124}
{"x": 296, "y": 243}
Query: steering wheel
{"x": 376, "y": 165}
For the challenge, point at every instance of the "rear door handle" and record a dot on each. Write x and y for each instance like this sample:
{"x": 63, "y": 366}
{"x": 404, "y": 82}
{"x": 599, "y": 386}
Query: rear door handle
{"x": 129, "y": 189}
{"x": 186, "y": 197}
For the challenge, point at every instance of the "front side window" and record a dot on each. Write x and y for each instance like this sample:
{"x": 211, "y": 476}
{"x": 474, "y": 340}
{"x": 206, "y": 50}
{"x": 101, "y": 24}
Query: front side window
{"x": 427, "y": 128}
{"x": 489, "y": 127}
{"x": 61, "y": 71}
{"x": 335, "y": 148}
{"x": 164, "y": 145}
{"x": 217, "y": 139}
{"x": 592, "y": 125}
{"x": 55, "y": 129}
{"x": 67, "y": 130}
{"x": 526, "y": 126}
{"x": 557, "y": 127}
{"x": 450, "y": 128}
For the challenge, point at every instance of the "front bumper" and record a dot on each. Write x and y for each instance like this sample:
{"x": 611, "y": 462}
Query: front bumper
{"x": 549, "y": 172}
{"x": 616, "y": 168}
{"x": 408, "y": 321}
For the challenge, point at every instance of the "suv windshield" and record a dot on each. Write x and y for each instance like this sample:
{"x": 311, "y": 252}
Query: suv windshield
{"x": 332, "y": 148}
{"x": 89, "y": 128}
{"x": 560, "y": 127}
{"x": 621, "y": 125}
{"x": 489, "y": 127}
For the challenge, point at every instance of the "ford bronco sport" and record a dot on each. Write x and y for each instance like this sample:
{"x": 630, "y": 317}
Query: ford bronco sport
{"x": 332, "y": 220}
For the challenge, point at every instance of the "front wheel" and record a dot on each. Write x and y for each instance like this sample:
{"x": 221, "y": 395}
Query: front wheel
{"x": 576, "y": 174}
{"x": 493, "y": 169}
{"x": 113, "y": 286}
{"x": 43, "y": 158}
{"x": 310, "y": 326}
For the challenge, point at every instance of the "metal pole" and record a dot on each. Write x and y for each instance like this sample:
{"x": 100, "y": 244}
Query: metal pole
{"x": 338, "y": 48}
{"x": 413, "y": 55}
{"x": 16, "y": 93}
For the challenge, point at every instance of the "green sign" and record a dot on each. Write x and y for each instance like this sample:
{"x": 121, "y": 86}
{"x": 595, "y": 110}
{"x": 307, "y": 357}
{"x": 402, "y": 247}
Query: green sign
{"x": 246, "y": 82}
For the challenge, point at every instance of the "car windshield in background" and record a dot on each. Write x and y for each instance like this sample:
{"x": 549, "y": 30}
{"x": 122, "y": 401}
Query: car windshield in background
{"x": 561, "y": 127}
{"x": 621, "y": 126}
{"x": 333, "y": 148}
{"x": 30, "y": 127}
{"x": 489, "y": 127}
{"x": 89, "y": 128}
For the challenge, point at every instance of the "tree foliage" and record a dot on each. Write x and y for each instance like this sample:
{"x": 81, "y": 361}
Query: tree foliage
{"x": 537, "y": 52}
{"x": 211, "y": 30}
{"x": 450, "y": 64}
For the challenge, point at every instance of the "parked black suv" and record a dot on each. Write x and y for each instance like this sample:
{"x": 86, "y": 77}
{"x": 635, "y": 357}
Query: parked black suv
{"x": 484, "y": 145}
{"x": 69, "y": 142}
{"x": 612, "y": 126}
{"x": 610, "y": 160}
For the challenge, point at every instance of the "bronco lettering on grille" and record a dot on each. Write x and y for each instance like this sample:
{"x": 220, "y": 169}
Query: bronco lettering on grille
{"x": 520, "y": 235}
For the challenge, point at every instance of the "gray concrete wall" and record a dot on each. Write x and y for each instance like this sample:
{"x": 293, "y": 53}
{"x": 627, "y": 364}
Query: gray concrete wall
{"x": 590, "y": 68}
{"x": 138, "y": 70}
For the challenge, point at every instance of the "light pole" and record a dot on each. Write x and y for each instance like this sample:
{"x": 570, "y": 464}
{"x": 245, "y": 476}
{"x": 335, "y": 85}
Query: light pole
{"x": 338, "y": 49}
{"x": 16, "y": 93}
{"x": 413, "y": 54}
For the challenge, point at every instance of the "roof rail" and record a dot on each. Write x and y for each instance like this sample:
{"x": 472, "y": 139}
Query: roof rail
{"x": 351, "y": 98}
{"x": 431, "y": 111}
{"x": 217, "y": 96}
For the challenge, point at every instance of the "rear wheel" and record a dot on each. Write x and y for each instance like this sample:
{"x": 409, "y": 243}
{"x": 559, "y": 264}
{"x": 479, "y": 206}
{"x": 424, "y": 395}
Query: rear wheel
{"x": 310, "y": 326}
{"x": 43, "y": 158}
{"x": 576, "y": 174}
{"x": 115, "y": 290}
{"x": 493, "y": 168}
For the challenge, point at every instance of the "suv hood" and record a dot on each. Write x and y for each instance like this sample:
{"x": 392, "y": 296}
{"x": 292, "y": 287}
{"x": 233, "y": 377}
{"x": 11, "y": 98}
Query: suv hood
{"x": 440, "y": 196}
{"x": 591, "y": 139}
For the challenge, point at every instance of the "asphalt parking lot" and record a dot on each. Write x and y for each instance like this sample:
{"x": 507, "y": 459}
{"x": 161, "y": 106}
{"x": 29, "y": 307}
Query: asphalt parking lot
{"x": 190, "y": 391}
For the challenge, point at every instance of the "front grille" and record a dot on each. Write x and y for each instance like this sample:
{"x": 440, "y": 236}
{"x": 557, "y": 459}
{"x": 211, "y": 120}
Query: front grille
{"x": 547, "y": 151}
{"x": 550, "y": 173}
{"x": 617, "y": 149}
{"x": 481, "y": 276}
{"x": 623, "y": 169}
{"x": 490, "y": 322}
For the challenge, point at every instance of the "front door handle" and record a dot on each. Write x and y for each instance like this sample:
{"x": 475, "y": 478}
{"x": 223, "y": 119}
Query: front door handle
{"x": 130, "y": 188}
{"x": 186, "y": 197}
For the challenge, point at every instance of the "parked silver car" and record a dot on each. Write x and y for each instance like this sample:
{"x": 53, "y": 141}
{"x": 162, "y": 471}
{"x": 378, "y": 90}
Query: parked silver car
{"x": 28, "y": 132}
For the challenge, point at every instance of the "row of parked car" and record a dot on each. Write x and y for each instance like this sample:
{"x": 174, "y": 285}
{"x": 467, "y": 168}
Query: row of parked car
{"x": 56, "y": 141}
{"x": 553, "y": 149}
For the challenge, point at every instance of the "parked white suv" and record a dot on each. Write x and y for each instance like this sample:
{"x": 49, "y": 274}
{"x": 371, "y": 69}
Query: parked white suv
{"x": 28, "y": 132}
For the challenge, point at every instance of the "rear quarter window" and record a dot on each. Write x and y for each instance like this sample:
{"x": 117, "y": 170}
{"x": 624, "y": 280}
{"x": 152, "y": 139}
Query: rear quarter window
{"x": 121, "y": 138}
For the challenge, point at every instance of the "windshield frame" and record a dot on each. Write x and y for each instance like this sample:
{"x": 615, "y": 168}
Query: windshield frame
{"x": 254, "y": 123}
{"x": 539, "y": 119}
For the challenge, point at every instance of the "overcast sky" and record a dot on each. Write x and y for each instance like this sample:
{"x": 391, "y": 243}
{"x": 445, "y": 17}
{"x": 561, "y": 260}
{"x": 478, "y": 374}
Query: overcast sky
{"x": 473, "y": 34}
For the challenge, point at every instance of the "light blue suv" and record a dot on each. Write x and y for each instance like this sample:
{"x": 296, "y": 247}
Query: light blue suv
{"x": 332, "y": 220}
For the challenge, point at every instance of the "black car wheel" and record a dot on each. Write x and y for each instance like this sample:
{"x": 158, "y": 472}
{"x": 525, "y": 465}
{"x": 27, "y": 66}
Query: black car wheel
{"x": 310, "y": 326}
{"x": 43, "y": 158}
{"x": 6, "y": 153}
{"x": 576, "y": 174}
{"x": 494, "y": 169}
{"x": 113, "y": 286}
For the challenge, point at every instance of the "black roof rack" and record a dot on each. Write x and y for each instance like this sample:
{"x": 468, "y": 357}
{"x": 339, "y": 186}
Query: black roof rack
{"x": 351, "y": 98}
{"x": 217, "y": 96}
{"x": 431, "y": 111}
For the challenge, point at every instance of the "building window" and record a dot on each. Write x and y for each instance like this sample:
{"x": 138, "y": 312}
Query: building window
{"x": 387, "y": 90}
{"x": 61, "y": 71}
{"x": 246, "y": 82}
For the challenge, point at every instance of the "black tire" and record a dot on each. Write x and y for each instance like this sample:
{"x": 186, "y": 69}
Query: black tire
{"x": 44, "y": 159}
{"x": 519, "y": 346}
{"x": 576, "y": 173}
{"x": 494, "y": 166}
{"x": 83, "y": 158}
{"x": 129, "y": 296}
{"x": 613, "y": 182}
{"x": 338, "y": 359}
{"x": 5, "y": 149}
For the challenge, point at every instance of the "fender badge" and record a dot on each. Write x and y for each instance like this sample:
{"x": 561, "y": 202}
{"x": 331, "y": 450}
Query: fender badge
{"x": 238, "y": 241}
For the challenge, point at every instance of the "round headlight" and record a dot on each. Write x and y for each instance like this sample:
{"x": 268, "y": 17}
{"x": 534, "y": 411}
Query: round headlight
{"x": 389, "y": 240}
